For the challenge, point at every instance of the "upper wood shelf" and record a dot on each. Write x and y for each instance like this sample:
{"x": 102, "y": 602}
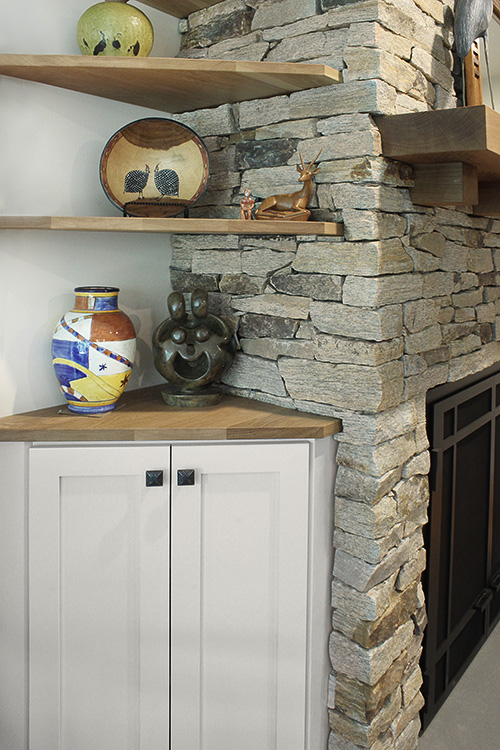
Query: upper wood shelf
{"x": 466, "y": 134}
{"x": 142, "y": 415}
{"x": 180, "y": 8}
{"x": 169, "y": 84}
{"x": 172, "y": 226}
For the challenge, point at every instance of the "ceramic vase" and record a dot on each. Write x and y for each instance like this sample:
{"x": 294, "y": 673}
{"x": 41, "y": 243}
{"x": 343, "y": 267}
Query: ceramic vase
{"x": 114, "y": 29}
{"x": 93, "y": 350}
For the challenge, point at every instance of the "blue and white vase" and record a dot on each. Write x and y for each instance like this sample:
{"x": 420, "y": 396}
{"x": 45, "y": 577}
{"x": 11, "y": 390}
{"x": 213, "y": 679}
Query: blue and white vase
{"x": 93, "y": 350}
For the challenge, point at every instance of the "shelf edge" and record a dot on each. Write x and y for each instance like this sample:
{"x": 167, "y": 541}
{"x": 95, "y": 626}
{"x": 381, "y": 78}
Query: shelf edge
{"x": 169, "y": 226}
{"x": 180, "y": 8}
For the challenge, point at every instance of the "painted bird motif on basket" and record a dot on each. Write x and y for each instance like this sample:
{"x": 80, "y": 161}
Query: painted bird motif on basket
{"x": 166, "y": 181}
{"x": 136, "y": 180}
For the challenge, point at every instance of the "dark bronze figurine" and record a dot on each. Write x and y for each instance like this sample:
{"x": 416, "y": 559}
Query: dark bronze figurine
{"x": 192, "y": 352}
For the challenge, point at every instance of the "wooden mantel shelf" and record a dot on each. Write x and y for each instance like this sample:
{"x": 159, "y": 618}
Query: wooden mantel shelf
{"x": 141, "y": 415}
{"x": 466, "y": 134}
{"x": 171, "y": 226}
{"x": 169, "y": 84}
{"x": 439, "y": 143}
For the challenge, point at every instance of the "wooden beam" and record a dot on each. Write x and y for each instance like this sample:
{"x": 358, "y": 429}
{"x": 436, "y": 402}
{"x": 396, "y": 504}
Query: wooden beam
{"x": 448, "y": 184}
{"x": 489, "y": 199}
{"x": 424, "y": 136}
{"x": 466, "y": 134}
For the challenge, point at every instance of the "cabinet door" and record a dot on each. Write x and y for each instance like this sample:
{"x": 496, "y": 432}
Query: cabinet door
{"x": 99, "y": 599}
{"x": 239, "y": 597}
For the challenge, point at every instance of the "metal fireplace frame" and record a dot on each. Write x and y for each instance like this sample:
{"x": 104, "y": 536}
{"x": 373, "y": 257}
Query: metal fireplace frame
{"x": 462, "y": 579}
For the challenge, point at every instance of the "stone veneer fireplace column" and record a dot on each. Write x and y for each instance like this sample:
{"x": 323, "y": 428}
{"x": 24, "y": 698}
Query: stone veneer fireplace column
{"x": 358, "y": 327}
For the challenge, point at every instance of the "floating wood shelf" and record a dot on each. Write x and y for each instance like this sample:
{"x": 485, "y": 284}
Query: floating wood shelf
{"x": 172, "y": 226}
{"x": 142, "y": 415}
{"x": 466, "y": 135}
{"x": 169, "y": 84}
{"x": 180, "y": 8}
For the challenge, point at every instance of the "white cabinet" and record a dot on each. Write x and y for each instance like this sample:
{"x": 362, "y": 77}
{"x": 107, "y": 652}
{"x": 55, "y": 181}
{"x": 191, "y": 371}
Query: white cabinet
{"x": 239, "y": 598}
{"x": 183, "y": 616}
{"x": 98, "y": 599}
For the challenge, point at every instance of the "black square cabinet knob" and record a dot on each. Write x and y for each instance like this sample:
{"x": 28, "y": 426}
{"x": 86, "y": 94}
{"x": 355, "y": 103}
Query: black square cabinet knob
{"x": 185, "y": 477}
{"x": 154, "y": 478}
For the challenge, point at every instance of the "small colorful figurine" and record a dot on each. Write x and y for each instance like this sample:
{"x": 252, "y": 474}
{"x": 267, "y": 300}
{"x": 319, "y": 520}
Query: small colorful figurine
{"x": 247, "y": 205}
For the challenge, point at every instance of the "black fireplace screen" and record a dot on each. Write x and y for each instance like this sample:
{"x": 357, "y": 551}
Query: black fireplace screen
{"x": 462, "y": 580}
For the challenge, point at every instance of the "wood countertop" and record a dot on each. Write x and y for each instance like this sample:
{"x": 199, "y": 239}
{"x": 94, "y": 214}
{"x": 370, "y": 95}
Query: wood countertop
{"x": 141, "y": 415}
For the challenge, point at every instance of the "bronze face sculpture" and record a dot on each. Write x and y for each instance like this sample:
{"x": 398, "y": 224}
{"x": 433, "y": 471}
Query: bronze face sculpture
{"x": 192, "y": 352}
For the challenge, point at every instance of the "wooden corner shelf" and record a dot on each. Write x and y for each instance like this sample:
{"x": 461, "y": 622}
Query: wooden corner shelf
{"x": 172, "y": 226}
{"x": 142, "y": 415}
{"x": 445, "y": 139}
{"x": 169, "y": 84}
{"x": 180, "y": 8}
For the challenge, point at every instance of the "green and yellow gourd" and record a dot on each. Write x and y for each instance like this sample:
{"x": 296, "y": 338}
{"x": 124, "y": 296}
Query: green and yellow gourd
{"x": 113, "y": 28}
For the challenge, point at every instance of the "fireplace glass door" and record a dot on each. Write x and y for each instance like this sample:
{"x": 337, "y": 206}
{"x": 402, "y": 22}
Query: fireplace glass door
{"x": 462, "y": 580}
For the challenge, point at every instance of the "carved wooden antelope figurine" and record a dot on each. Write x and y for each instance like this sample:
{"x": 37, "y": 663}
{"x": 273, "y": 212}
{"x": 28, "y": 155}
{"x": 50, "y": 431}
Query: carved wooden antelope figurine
{"x": 291, "y": 206}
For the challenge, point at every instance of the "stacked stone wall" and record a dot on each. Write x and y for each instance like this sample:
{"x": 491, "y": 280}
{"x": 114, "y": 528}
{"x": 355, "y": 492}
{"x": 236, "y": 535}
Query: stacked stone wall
{"x": 359, "y": 326}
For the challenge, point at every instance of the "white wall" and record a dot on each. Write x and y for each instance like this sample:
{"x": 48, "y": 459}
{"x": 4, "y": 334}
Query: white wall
{"x": 50, "y": 145}
{"x": 494, "y": 56}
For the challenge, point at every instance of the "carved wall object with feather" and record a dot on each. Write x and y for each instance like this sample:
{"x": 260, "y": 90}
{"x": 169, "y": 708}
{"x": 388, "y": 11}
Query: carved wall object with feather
{"x": 472, "y": 21}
